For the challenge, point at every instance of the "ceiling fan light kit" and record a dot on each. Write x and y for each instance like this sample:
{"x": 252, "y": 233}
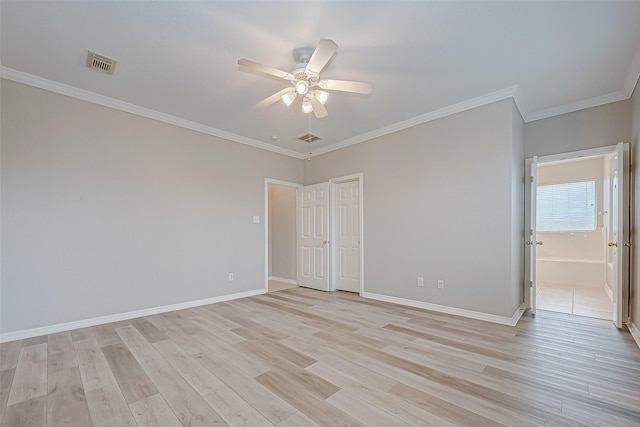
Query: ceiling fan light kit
{"x": 305, "y": 79}
{"x": 306, "y": 105}
{"x": 302, "y": 87}
{"x": 289, "y": 97}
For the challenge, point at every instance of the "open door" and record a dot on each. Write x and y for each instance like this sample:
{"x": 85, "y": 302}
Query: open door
{"x": 313, "y": 237}
{"x": 531, "y": 168}
{"x": 620, "y": 243}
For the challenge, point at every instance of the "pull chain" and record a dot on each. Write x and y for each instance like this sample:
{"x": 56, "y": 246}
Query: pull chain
{"x": 309, "y": 133}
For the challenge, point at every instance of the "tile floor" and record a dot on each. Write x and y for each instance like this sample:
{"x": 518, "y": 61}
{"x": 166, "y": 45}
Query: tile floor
{"x": 275, "y": 286}
{"x": 580, "y": 300}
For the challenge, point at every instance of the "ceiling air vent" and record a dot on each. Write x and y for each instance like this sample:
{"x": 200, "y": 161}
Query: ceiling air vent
{"x": 309, "y": 138}
{"x": 100, "y": 63}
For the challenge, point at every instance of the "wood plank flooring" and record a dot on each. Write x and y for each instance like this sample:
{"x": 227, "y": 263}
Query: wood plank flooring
{"x": 300, "y": 357}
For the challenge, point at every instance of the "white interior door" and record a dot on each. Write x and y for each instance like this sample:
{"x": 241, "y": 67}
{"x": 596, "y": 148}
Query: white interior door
{"x": 347, "y": 236}
{"x": 313, "y": 237}
{"x": 530, "y": 291}
{"x": 619, "y": 244}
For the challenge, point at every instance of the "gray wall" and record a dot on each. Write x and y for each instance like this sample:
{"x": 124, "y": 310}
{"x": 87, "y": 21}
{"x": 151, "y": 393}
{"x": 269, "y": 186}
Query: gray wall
{"x": 635, "y": 252}
{"x": 438, "y": 203}
{"x": 517, "y": 207}
{"x": 282, "y": 232}
{"x": 591, "y": 128}
{"x": 105, "y": 212}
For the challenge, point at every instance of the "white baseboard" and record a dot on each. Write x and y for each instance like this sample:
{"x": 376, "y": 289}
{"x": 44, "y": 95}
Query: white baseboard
{"x": 283, "y": 280}
{"x": 503, "y": 320}
{"x": 69, "y": 326}
{"x": 609, "y": 292}
{"x": 635, "y": 332}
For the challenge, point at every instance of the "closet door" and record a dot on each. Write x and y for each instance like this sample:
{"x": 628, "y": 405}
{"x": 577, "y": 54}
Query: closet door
{"x": 347, "y": 236}
{"x": 313, "y": 237}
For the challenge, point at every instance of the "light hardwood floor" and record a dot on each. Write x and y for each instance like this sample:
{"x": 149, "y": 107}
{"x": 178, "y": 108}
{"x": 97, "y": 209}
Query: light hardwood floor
{"x": 303, "y": 358}
{"x": 277, "y": 286}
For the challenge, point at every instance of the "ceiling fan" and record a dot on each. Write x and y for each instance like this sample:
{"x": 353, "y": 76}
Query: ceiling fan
{"x": 305, "y": 79}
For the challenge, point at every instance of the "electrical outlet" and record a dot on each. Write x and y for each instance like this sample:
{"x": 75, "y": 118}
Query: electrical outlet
{"x": 440, "y": 284}
{"x": 420, "y": 281}
{"x": 231, "y": 277}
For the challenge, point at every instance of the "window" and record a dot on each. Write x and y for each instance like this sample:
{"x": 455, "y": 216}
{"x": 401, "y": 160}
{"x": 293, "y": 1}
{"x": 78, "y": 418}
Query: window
{"x": 567, "y": 207}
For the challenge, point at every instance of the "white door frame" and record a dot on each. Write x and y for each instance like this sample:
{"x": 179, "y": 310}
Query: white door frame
{"x": 332, "y": 226}
{"x": 610, "y": 149}
{"x": 297, "y": 186}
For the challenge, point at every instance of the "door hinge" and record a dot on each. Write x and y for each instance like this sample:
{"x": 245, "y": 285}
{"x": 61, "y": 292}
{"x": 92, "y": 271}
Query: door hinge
{"x": 531, "y": 178}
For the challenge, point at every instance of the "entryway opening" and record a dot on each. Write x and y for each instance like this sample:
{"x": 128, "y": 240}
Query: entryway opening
{"x": 281, "y": 236}
{"x": 575, "y": 263}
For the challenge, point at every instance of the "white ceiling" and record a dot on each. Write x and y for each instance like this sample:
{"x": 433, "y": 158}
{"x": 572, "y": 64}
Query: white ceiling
{"x": 177, "y": 60}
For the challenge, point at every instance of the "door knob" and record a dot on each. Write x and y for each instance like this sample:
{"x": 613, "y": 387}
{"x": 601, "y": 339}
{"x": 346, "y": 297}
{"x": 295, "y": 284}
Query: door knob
{"x": 612, "y": 244}
{"x": 528, "y": 243}
{"x": 539, "y": 242}
{"x": 628, "y": 244}
{"x": 324, "y": 242}
{"x": 533, "y": 242}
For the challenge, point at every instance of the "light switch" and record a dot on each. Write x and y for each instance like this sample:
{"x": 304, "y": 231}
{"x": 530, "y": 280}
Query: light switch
{"x": 256, "y": 219}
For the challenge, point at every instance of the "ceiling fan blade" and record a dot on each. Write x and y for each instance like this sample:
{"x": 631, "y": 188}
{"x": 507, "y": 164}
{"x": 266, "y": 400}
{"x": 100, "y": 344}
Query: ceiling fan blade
{"x": 323, "y": 53}
{"x": 318, "y": 109}
{"x": 273, "y": 98}
{"x": 254, "y": 67}
{"x": 346, "y": 86}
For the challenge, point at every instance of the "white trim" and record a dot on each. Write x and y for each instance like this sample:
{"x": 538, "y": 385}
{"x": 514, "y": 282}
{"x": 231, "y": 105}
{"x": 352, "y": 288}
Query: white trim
{"x": 68, "y": 326}
{"x": 576, "y": 106}
{"x": 493, "y": 318}
{"x": 283, "y": 280}
{"x": 510, "y": 92}
{"x": 635, "y": 332}
{"x": 84, "y": 95}
{"x": 599, "y": 151}
{"x": 332, "y": 186}
{"x": 520, "y": 104}
{"x": 297, "y": 186}
{"x": 423, "y": 118}
{"x": 608, "y": 291}
{"x": 633, "y": 74}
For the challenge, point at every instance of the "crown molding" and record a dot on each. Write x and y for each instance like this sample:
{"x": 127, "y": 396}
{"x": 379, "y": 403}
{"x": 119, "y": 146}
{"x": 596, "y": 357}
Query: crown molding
{"x": 576, "y": 106}
{"x": 510, "y": 92}
{"x": 634, "y": 73}
{"x": 630, "y": 83}
{"x": 84, "y": 95}
{"x": 424, "y": 118}
{"x": 520, "y": 104}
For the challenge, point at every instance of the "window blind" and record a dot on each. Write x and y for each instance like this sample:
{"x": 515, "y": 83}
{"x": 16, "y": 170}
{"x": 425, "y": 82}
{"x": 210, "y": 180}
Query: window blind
{"x": 566, "y": 207}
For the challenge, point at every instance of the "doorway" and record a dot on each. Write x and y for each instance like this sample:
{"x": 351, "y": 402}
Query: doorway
{"x": 281, "y": 229}
{"x": 578, "y": 230}
{"x": 573, "y": 224}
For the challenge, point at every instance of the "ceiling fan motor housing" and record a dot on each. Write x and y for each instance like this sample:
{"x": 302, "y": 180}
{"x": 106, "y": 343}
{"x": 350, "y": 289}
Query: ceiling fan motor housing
{"x": 302, "y": 55}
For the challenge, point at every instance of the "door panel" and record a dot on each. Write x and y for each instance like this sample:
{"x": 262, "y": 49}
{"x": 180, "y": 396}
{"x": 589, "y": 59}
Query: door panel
{"x": 347, "y": 234}
{"x": 313, "y": 240}
{"x": 531, "y": 176}
{"x": 620, "y": 232}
